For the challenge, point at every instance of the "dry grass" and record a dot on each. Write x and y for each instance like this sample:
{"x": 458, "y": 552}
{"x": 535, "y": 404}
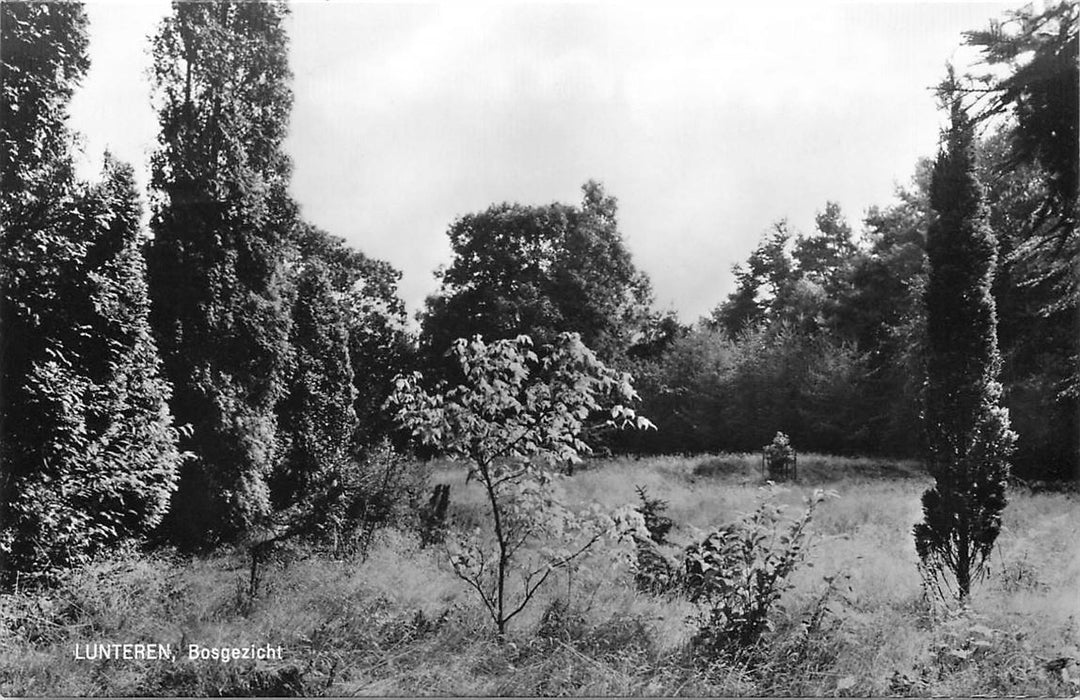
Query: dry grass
{"x": 400, "y": 623}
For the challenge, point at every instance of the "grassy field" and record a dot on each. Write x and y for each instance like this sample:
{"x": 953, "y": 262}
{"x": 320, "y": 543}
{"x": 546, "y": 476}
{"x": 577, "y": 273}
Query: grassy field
{"x": 398, "y": 622}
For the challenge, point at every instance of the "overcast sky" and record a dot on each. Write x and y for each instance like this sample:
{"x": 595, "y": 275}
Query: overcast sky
{"x": 708, "y": 121}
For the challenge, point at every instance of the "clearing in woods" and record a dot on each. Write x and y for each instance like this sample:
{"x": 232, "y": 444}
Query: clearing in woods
{"x": 398, "y": 622}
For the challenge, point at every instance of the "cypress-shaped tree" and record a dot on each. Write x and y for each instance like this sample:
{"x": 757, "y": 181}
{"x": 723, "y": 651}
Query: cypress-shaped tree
{"x": 88, "y": 450}
{"x": 218, "y": 259}
{"x": 103, "y": 461}
{"x": 967, "y": 431}
{"x": 42, "y": 60}
{"x": 317, "y": 419}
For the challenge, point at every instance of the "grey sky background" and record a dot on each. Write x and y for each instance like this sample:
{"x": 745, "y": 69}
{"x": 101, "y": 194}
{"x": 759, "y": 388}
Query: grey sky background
{"x": 707, "y": 121}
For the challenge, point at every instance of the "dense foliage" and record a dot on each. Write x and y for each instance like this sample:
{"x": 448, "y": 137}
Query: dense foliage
{"x": 737, "y": 574}
{"x": 540, "y": 271}
{"x": 825, "y": 334}
{"x": 281, "y": 341}
{"x": 316, "y": 416}
{"x": 87, "y": 446}
{"x": 967, "y": 431}
{"x": 216, "y": 261}
{"x": 1033, "y": 175}
{"x": 379, "y": 347}
{"x": 1039, "y": 47}
{"x": 712, "y": 392}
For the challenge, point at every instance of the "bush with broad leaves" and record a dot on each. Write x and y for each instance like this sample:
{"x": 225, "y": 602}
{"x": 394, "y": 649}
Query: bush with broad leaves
{"x": 516, "y": 417}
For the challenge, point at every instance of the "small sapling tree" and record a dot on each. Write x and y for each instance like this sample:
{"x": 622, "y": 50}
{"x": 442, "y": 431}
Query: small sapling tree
{"x": 514, "y": 419}
{"x": 967, "y": 431}
{"x": 779, "y": 457}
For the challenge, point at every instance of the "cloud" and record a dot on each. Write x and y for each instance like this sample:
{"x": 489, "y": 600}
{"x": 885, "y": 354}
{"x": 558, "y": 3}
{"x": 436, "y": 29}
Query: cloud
{"x": 111, "y": 110}
{"x": 707, "y": 120}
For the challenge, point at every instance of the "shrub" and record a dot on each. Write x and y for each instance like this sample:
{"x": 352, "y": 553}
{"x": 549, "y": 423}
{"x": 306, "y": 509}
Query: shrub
{"x": 652, "y": 510}
{"x": 737, "y": 573}
{"x": 384, "y": 488}
{"x": 779, "y": 457}
{"x": 653, "y": 573}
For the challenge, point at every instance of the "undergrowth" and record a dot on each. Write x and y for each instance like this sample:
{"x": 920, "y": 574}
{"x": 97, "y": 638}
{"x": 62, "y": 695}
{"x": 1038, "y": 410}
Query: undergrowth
{"x": 853, "y": 620}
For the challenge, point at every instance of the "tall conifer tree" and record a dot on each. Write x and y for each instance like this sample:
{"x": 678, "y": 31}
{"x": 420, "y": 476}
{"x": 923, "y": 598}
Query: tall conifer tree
{"x": 317, "y": 416}
{"x": 87, "y": 448}
{"x": 217, "y": 261}
{"x": 379, "y": 347}
{"x": 967, "y": 430}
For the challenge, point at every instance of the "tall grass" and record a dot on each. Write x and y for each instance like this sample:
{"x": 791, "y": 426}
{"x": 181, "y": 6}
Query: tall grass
{"x": 856, "y": 622}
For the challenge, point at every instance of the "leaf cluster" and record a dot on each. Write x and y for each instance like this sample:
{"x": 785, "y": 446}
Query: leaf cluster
{"x": 735, "y": 575}
{"x": 515, "y": 405}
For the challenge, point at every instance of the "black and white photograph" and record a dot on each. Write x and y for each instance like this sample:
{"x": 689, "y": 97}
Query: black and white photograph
{"x": 536, "y": 348}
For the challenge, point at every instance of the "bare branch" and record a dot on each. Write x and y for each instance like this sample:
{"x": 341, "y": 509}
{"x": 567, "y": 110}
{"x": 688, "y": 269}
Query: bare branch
{"x": 531, "y": 591}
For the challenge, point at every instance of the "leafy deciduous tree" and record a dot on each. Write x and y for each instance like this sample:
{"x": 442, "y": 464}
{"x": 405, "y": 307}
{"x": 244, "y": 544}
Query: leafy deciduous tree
{"x": 540, "y": 271}
{"x": 515, "y": 416}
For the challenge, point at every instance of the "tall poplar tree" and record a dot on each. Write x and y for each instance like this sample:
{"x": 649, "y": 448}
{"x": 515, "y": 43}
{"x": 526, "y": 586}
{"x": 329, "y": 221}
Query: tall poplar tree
{"x": 967, "y": 431}
{"x": 217, "y": 261}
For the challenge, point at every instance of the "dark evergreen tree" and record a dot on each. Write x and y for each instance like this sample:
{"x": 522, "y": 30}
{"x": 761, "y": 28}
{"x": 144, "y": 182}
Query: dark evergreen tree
{"x": 1036, "y": 81}
{"x": 1039, "y": 336}
{"x": 825, "y": 256}
{"x": 43, "y": 60}
{"x": 43, "y": 52}
{"x": 88, "y": 450}
{"x": 221, "y": 234}
{"x": 764, "y": 287}
{"x": 881, "y": 311}
{"x": 317, "y": 420}
{"x": 967, "y": 431}
{"x": 1039, "y": 49}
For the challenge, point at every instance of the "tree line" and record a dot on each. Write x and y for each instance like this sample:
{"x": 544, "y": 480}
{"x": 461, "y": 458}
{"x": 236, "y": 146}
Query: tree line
{"x": 824, "y": 336}
{"x": 224, "y": 372}
{"x": 193, "y": 381}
